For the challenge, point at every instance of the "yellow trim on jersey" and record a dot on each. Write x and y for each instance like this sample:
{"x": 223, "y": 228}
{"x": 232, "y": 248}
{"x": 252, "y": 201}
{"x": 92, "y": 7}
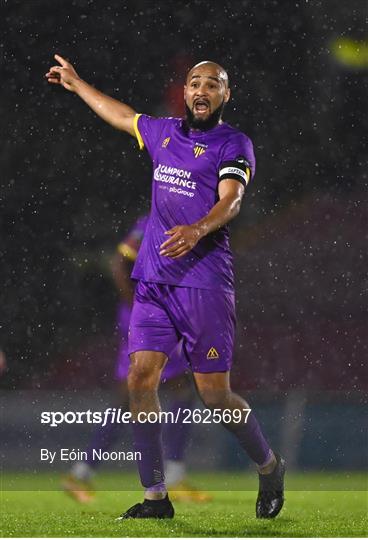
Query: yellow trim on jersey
{"x": 248, "y": 173}
{"x": 136, "y": 131}
{"x": 127, "y": 251}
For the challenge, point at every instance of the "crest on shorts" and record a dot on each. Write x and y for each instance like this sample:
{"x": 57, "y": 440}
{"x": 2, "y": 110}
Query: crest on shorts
{"x": 199, "y": 149}
{"x": 212, "y": 354}
{"x": 165, "y": 142}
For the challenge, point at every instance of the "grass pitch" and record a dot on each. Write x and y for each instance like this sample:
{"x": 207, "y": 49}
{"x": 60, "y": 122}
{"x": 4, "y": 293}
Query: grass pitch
{"x": 322, "y": 509}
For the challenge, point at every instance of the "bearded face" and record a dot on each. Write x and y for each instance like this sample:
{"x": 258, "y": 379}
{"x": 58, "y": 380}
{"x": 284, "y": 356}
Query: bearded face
{"x": 204, "y": 123}
{"x": 205, "y": 94}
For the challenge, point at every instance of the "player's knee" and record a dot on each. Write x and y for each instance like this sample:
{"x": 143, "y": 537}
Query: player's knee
{"x": 214, "y": 389}
{"x": 140, "y": 383}
{"x": 145, "y": 371}
{"x": 141, "y": 378}
{"x": 214, "y": 398}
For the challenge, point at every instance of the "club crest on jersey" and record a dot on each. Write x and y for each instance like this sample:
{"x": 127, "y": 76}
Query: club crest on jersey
{"x": 165, "y": 142}
{"x": 199, "y": 149}
{"x": 212, "y": 354}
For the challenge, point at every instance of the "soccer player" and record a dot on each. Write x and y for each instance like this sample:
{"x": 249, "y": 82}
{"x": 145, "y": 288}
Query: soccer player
{"x": 78, "y": 483}
{"x": 184, "y": 270}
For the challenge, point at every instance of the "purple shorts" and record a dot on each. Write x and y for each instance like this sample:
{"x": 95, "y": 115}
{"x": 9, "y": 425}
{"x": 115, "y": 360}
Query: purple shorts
{"x": 203, "y": 320}
{"x": 177, "y": 364}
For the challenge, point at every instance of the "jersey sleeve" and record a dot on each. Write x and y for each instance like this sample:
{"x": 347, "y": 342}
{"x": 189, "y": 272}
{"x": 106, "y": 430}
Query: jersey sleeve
{"x": 131, "y": 243}
{"x": 148, "y": 131}
{"x": 238, "y": 160}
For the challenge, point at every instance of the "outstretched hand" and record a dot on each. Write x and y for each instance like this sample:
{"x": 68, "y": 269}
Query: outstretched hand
{"x": 64, "y": 74}
{"x": 182, "y": 239}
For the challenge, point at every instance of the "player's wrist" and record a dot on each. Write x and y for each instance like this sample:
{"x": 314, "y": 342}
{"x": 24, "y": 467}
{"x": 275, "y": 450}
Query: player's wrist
{"x": 78, "y": 85}
{"x": 201, "y": 229}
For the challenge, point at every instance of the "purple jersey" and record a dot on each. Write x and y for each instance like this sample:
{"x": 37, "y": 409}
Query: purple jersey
{"x": 188, "y": 165}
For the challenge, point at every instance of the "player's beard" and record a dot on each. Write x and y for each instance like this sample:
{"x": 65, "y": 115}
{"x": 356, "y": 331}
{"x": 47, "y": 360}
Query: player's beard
{"x": 207, "y": 123}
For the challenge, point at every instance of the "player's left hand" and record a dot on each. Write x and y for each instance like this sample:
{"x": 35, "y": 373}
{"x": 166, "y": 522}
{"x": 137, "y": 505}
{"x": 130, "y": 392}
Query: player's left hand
{"x": 182, "y": 239}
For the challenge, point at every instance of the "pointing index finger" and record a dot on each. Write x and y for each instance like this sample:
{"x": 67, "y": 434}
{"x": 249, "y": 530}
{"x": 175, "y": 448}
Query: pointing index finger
{"x": 61, "y": 60}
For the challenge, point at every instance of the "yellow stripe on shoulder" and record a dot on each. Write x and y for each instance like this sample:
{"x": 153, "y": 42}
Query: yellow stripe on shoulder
{"x": 248, "y": 173}
{"x": 127, "y": 251}
{"x": 137, "y": 133}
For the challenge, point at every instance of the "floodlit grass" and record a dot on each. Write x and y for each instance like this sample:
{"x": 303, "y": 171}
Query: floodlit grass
{"x": 330, "y": 505}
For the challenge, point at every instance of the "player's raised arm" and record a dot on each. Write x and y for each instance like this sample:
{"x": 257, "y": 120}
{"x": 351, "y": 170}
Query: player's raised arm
{"x": 111, "y": 110}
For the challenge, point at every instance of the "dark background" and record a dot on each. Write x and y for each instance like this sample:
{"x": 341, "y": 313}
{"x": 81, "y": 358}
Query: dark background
{"x": 71, "y": 185}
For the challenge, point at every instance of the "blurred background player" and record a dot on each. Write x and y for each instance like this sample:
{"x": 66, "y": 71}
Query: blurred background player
{"x": 78, "y": 483}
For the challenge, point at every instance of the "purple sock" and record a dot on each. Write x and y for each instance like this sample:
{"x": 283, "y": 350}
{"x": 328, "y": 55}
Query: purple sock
{"x": 251, "y": 439}
{"x": 157, "y": 488}
{"x": 103, "y": 438}
{"x": 147, "y": 441}
{"x": 176, "y": 434}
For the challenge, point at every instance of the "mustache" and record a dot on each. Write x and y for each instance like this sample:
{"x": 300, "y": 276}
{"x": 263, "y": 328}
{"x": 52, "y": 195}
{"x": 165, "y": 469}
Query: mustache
{"x": 200, "y": 123}
{"x": 201, "y": 100}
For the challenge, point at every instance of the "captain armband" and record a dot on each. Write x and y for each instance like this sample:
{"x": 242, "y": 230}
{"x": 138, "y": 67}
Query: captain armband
{"x": 236, "y": 169}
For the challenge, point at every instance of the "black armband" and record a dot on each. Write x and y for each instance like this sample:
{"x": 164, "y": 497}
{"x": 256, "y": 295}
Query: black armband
{"x": 236, "y": 169}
